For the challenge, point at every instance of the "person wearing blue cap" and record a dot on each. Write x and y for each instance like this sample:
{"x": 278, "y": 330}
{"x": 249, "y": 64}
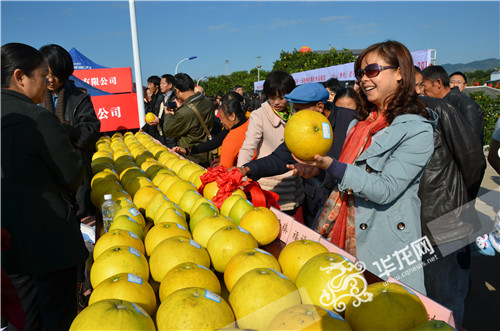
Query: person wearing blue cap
{"x": 312, "y": 96}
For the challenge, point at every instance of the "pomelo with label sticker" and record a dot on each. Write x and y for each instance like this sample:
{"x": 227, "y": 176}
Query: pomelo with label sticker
{"x": 177, "y": 190}
{"x": 195, "y": 309}
{"x": 262, "y": 223}
{"x": 226, "y": 243}
{"x": 133, "y": 213}
{"x": 200, "y": 212}
{"x": 126, "y": 286}
{"x": 239, "y": 209}
{"x": 245, "y": 261}
{"x": 207, "y": 226}
{"x": 259, "y": 295}
{"x": 173, "y": 251}
{"x": 117, "y": 237}
{"x": 188, "y": 274}
{"x": 163, "y": 231}
{"x": 392, "y": 307}
{"x": 124, "y": 222}
{"x": 308, "y": 133}
{"x": 172, "y": 215}
{"x": 116, "y": 260}
{"x": 113, "y": 314}
{"x": 143, "y": 196}
{"x": 308, "y": 317}
{"x": 329, "y": 280}
{"x": 226, "y": 206}
{"x": 296, "y": 254}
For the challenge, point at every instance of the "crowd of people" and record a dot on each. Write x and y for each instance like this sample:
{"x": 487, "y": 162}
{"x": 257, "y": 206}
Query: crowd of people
{"x": 407, "y": 149}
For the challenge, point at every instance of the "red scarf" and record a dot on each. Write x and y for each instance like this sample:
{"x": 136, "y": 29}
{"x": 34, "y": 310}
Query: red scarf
{"x": 336, "y": 221}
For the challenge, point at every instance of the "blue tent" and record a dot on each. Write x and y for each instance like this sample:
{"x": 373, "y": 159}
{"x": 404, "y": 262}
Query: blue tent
{"x": 91, "y": 90}
{"x": 81, "y": 62}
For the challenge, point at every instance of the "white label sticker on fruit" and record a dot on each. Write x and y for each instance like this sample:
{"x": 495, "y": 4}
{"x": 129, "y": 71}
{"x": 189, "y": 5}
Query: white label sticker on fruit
{"x": 327, "y": 134}
{"x": 212, "y": 296}
{"x": 194, "y": 243}
{"x": 177, "y": 212}
{"x": 133, "y": 235}
{"x": 134, "y": 211}
{"x": 243, "y": 230}
{"x": 333, "y": 314}
{"x": 134, "y": 278}
{"x": 263, "y": 251}
{"x": 139, "y": 309}
{"x": 131, "y": 219}
{"x": 203, "y": 267}
{"x": 279, "y": 274}
{"x": 180, "y": 226}
{"x": 134, "y": 251}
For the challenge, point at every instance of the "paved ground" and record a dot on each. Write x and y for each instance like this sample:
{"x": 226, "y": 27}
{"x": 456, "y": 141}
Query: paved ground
{"x": 482, "y": 306}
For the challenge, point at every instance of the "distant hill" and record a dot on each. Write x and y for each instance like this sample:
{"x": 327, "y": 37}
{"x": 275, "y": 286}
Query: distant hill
{"x": 472, "y": 66}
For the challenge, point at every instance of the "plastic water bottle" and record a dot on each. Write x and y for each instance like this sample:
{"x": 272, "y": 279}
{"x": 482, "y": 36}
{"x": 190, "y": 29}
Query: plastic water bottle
{"x": 109, "y": 209}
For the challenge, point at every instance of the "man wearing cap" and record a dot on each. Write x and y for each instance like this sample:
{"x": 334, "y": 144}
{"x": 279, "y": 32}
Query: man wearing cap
{"x": 311, "y": 96}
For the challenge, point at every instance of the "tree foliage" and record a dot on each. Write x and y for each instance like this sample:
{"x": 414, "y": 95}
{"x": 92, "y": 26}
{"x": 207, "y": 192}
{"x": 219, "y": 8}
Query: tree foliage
{"x": 479, "y": 76}
{"x": 296, "y": 61}
{"x": 224, "y": 83}
{"x": 491, "y": 108}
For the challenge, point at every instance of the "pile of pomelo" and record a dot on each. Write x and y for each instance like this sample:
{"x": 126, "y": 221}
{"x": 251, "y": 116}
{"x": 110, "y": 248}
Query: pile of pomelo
{"x": 173, "y": 261}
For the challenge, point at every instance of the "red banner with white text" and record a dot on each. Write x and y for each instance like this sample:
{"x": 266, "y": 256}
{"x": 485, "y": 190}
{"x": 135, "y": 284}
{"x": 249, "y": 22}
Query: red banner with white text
{"x": 117, "y": 111}
{"x": 112, "y": 80}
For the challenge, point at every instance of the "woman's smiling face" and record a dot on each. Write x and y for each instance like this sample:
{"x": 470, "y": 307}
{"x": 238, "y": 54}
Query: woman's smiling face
{"x": 379, "y": 89}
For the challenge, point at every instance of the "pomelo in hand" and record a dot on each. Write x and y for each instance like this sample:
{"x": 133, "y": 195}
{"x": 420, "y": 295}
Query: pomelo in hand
{"x": 188, "y": 274}
{"x": 173, "y": 251}
{"x": 245, "y": 261}
{"x": 227, "y": 242}
{"x": 194, "y": 308}
{"x": 117, "y": 237}
{"x": 392, "y": 307}
{"x": 262, "y": 223}
{"x": 150, "y": 117}
{"x": 126, "y": 286}
{"x": 308, "y": 317}
{"x": 259, "y": 295}
{"x": 296, "y": 254}
{"x": 113, "y": 314}
{"x": 330, "y": 281}
{"x": 308, "y": 133}
{"x": 117, "y": 260}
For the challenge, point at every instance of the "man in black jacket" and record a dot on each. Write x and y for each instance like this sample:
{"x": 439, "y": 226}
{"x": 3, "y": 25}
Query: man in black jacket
{"x": 307, "y": 96}
{"x": 437, "y": 85}
{"x": 450, "y": 180}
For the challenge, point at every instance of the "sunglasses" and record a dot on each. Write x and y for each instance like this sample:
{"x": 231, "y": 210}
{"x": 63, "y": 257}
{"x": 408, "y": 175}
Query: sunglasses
{"x": 372, "y": 70}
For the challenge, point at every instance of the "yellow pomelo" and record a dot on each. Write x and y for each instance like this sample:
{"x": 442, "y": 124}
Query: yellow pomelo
{"x": 153, "y": 169}
{"x": 262, "y": 223}
{"x": 150, "y": 117}
{"x": 210, "y": 190}
{"x": 308, "y": 317}
{"x": 308, "y": 133}
{"x": 126, "y": 286}
{"x": 148, "y": 164}
{"x": 203, "y": 210}
{"x": 123, "y": 202}
{"x": 101, "y": 163}
{"x": 143, "y": 196}
{"x": 226, "y": 206}
{"x": 239, "y": 192}
{"x": 131, "y": 173}
{"x": 167, "y": 182}
{"x": 108, "y": 174}
{"x": 124, "y": 222}
{"x": 173, "y": 251}
{"x": 245, "y": 261}
{"x": 195, "y": 178}
{"x": 143, "y": 157}
{"x": 195, "y": 309}
{"x": 154, "y": 204}
{"x": 188, "y": 200}
{"x": 177, "y": 190}
{"x": 159, "y": 176}
{"x": 135, "y": 184}
{"x": 201, "y": 201}
{"x": 102, "y": 187}
{"x": 133, "y": 213}
{"x": 166, "y": 204}
{"x": 117, "y": 237}
{"x": 113, "y": 314}
{"x": 188, "y": 274}
{"x": 433, "y": 325}
{"x": 122, "y": 156}
{"x": 102, "y": 153}
{"x": 163, "y": 231}
{"x": 240, "y": 208}
{"x": 296, "y": 254}
{"x": 391, "y": 307}
{"x": 166, "y": 158}
{"x": 226, "y": 243}
{"x": 270, "y": 292}
{"x": 124, "y": 165}
{"x": 329, "y": 280}
{"x": 207, "y": 226}
{"x": 172, "y": 215}
{"x": 116, "y": 260}
{"x": 188, "y": 169}
{"x": 177, "y": 165}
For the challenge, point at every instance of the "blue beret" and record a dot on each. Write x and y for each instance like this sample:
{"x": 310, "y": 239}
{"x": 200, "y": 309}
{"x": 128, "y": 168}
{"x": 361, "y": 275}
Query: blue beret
{"x": 307, "y": 93}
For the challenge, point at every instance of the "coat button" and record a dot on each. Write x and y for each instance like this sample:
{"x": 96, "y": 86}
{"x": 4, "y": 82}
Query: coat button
{"x": 363, "y": 226}
{"x": 401, "y": 226}
{"x": 348, "y": 191}
{"x": 368, "y": 169}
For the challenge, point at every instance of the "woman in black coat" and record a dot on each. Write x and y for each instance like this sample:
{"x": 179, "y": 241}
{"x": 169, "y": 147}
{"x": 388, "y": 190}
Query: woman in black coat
{"x": 40, "y": 171}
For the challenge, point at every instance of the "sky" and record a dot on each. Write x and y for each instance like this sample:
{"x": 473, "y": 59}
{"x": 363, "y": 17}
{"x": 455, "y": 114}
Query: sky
{"x": 242, "y": 31}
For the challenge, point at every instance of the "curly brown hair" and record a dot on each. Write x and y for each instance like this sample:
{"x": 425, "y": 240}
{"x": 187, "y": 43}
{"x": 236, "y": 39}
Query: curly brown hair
{"x": 404, "y": 100}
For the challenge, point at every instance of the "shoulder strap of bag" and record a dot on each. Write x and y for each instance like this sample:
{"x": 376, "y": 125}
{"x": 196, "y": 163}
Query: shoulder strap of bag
{"x": 193, "y": 107}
